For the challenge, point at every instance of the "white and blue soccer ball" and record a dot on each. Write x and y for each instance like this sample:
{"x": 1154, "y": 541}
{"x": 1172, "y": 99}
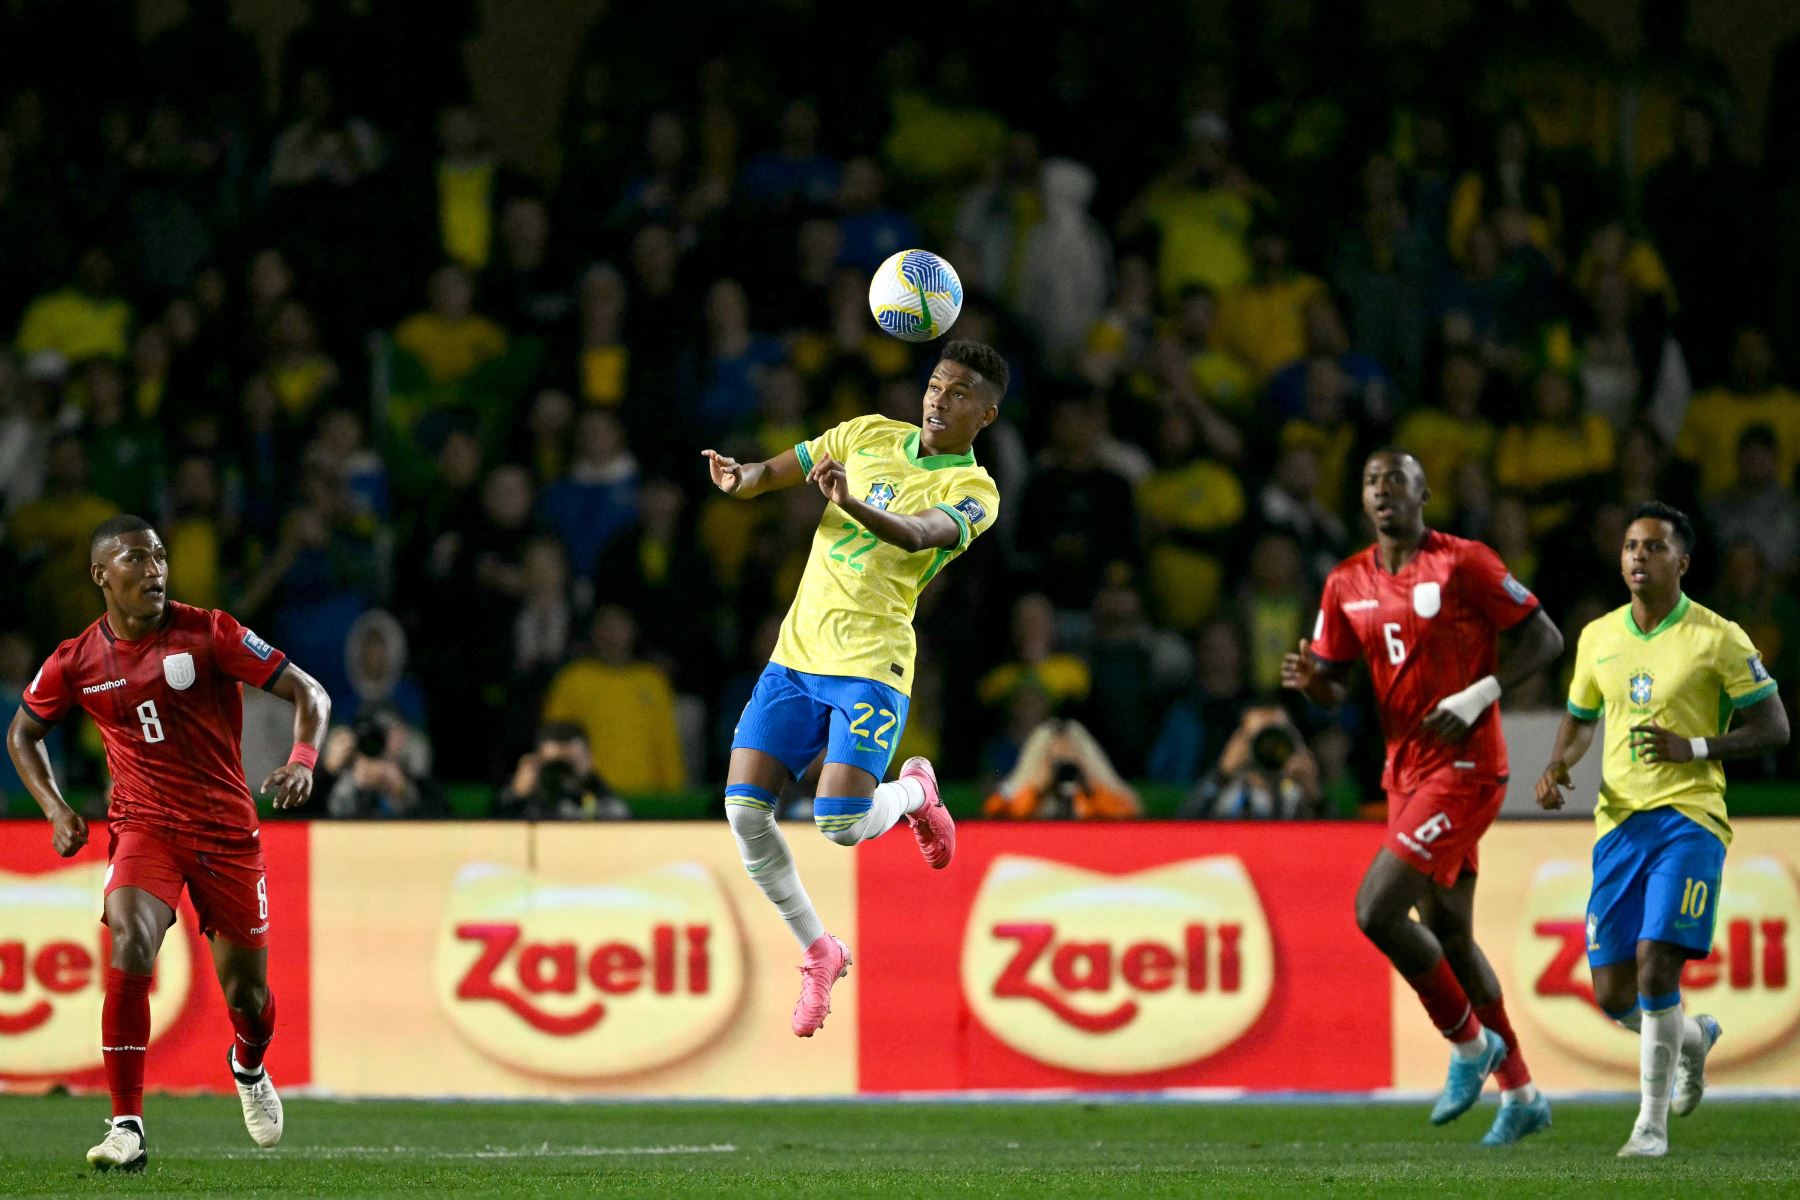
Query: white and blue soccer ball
{"x": 915, "y": 296}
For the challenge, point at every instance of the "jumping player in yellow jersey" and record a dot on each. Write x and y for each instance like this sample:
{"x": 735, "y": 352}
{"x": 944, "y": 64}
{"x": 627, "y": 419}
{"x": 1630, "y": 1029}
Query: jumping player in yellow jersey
{"x": 904, "y": 501}
{"x": 1668, "y": 675}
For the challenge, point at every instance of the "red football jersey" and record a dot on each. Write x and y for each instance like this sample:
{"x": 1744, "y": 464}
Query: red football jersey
{"x": 1427, "y": 632}
{"x": 170, "y": 711}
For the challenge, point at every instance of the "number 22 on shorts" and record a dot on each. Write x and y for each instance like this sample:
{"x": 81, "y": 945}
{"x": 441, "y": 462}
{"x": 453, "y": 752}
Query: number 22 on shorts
{"x": 859, "y": 726}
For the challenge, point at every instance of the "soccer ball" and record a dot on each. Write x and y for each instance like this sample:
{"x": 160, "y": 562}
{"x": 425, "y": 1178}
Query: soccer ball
{"x": 915, "y": 296}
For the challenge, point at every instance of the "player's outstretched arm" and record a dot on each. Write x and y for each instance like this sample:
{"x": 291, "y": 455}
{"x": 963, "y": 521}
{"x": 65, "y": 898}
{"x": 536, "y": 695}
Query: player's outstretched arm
{"x": 745, "y": 480}
{"x": 912, "y": 532}
{"x": 1323, "y": 682}
{"x": 1573, "y": 737}
{"x": 292, "y": 782}
{"x": 1762, "y": 728}
{"x": 25, "y": 742}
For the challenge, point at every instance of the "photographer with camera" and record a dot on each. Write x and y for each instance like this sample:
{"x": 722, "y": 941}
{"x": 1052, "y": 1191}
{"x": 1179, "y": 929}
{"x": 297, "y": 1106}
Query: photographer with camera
{"x": 380, "y": 767}
{"x": 557, "y": 781}
{"x": 1062, "y": 775}
{"x": 1265, "y": 772}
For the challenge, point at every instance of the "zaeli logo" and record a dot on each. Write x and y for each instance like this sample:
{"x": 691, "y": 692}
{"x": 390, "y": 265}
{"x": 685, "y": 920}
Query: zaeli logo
{"x": 587, "y": 980}
{"x": 1748, "y": 981}
{"x": 53, "y": 956}
{"x": 1117, "y": 974}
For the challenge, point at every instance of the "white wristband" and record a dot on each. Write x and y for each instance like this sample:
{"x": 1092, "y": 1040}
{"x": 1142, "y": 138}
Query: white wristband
{"x": 1468, "y": 704}
{"x": 1698, "y": 745}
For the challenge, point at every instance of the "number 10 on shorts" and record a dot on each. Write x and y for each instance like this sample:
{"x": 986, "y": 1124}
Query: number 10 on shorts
{"x": 1693, "y": 898}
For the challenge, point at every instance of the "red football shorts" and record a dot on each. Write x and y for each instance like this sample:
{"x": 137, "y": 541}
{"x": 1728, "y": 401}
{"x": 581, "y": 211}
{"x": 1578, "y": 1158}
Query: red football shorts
{"x": 1436, "y": 828}
{"x": 228, "y": 890}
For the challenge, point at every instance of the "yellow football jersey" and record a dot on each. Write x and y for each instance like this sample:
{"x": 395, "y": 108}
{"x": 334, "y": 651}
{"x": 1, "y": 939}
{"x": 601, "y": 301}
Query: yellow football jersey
{"x": 853, "y": 613}
{"x": 1689, "y": 675}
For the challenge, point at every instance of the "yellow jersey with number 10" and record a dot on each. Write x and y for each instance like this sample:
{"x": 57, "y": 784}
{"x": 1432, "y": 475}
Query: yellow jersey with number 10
{"x": 853, "y": 613}
{"x": 1689, "y": 675}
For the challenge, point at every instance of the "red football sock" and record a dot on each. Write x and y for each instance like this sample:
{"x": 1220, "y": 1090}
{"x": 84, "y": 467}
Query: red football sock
{"x": 253, "y": 1034}
{"x": 124, "y": 1037}
{"x": 1513, "y": 1073}
{"x": 1446, "y": 1003}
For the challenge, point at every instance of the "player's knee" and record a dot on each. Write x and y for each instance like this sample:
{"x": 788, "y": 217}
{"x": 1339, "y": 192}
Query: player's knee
{"x": 245, "y": 995}
{"x": 749, "y": 820}
{"x": 843, "y": 835}
{"x": 133, "y": 947}
{"x": 1615, "y": 998}
{"x": 1371, "y": 916}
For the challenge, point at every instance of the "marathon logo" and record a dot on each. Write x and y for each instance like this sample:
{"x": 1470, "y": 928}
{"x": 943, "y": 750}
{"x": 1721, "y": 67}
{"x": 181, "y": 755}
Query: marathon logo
{"x": 53, "y": 956}
{"x": 1117, "y": 974}
{"x": 108, "y": 686}
{"x": 1748, "y": 981}
{"x": 584, "y": 981}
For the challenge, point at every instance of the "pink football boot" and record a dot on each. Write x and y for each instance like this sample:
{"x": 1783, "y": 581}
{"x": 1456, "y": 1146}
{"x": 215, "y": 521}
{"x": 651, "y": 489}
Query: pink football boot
{"x": 932, "y": 825}
{"x": 827, "y": 961}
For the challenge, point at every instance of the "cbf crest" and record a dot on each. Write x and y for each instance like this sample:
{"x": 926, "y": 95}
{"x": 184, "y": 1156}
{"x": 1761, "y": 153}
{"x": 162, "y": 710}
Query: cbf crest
{"x": 1640, "y": 688}
{"x": 178, "y": 669}
{"x": 881, "y": 494}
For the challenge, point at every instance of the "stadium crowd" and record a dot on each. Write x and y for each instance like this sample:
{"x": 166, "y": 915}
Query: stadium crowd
{"x": 431, "y": 421}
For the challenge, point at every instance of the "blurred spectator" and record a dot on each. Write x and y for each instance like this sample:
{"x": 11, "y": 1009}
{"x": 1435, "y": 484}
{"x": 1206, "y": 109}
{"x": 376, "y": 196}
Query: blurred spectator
{"x": 1065, "y": 268}
{"x": 48, "y": 538}
{"x": 1063, "y": 774}
{"x": 1383, "y": 267}
{"x": 126, "y": 454}
{"x": 1135, "y": 668}
{"x": 529, "y": 293}
{"x": 299, "y": 371}
{"x": 557, "y": 781}
{"x": 723, "y": 373}
{"x": 604, "y": 364}
{"x": 994, "y": 217}
{"x": 1630, "y": 366}
{"x": 1718, "y": 416}
{"x": 1696, "y": 205}
{"x": 198, "y": 534}
{"x": 17, "y": 668}
{"x": 449, "y": 338}
{"x": 1200, "y": 720}
{"x": 1275, "y": 609}
{"x": 1450, "y": 433}
{"x": 1192, "y": 508}
{"x": 1263, "y": 321}
{"x": 1556, "y": 456}
{"x": 1289, "y": 504}
{"x": 1325, "y": 427}
{"x": 375, "y": 661}
{"x": 25, "y": 429}
{"x": 655, "y": 570}
{"x": 870, "y": 229}
{"x": 1510, "y": 186}
{"x": 596, "y": 500}
{"x": 543, "y": 629}
{"x": 1759, "y": 508}
{"x": 1078, "y": 516}
{"x": 1265, "y": 772}
{"x": 468, "y": 188}
{"x": 625, "y": 705}
{"x": 1326, "y": 338}
{"x": 322, "y": 144}
{"x": 795, "y": 173}
{"x": 1037, "y": 663}
{"x": 380, "y": 767}
{"x": 1200, "y": 209}
{"x": 939, "y": 133}
{"x": 85, "y": 318}
{"x": 1763, "y": 604}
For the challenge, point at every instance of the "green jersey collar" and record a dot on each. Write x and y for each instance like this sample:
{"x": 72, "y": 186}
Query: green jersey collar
{"x": 936, "y": 462}
{"x": 1675, "y": 614}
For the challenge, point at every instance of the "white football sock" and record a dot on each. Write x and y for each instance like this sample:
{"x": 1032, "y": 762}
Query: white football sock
{"x": 1470, "y": 1049}
{"x": 1692, "y": 1036}
{"x": 893, "y": 801}
{"x": 1656, "y": 1065}
{"x": 1519, "y": 1095}
{"x": 771, "y": 867}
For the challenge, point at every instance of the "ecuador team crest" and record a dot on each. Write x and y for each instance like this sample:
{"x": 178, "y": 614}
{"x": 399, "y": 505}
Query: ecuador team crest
{"x": 178, "y": 669}
{"x": 1641, "y": 687}
{"x": 881, "y": 494}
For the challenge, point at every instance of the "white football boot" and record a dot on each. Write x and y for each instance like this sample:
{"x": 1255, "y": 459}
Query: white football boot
{"x": 122, "y": 1148}
{"x": 262, "y": 1107}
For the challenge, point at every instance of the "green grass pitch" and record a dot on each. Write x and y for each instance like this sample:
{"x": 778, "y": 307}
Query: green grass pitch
{"x": 198, "y": 1147}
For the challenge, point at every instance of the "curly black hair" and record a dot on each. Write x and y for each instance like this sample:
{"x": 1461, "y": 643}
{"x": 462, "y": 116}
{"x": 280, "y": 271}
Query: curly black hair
{"x": 984, "y": 360}
{"x": 1678, "y": 521}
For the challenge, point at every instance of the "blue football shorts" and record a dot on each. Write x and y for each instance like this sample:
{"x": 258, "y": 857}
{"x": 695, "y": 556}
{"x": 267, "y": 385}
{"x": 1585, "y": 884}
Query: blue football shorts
{"x": 792, "y": 715}
{"x": 1656, "y": 878}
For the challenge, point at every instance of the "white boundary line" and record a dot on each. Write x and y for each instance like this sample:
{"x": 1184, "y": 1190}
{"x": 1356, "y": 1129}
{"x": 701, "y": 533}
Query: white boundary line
{"x": 546, "y": 1150}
